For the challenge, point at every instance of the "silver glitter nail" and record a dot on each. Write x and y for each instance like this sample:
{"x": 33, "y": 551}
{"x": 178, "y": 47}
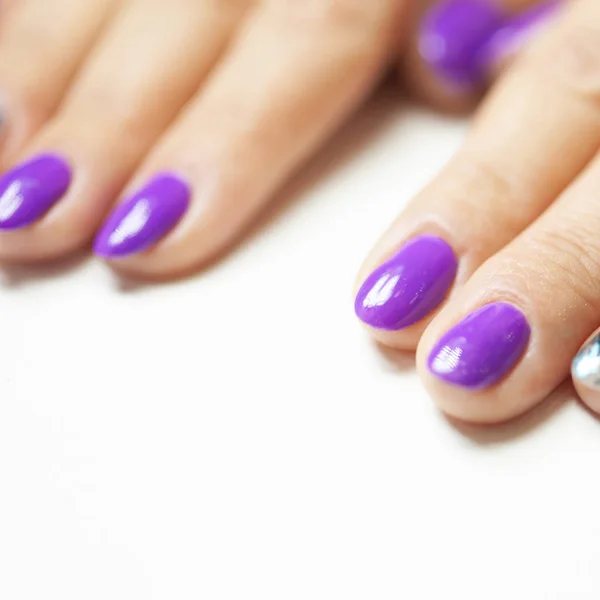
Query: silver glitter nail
{"x": 586, "y": 365}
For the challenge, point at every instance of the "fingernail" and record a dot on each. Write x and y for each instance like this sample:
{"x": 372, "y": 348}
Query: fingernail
{"x": 586, "y": 365}
{"x": 451, "y": 36}
{"x": 508, "y": 39}
{"x": 407, "y": 287}
{"x": 481, "y": 349}
{"x": 30, "y": 189}
{"x": 145, "y": 218}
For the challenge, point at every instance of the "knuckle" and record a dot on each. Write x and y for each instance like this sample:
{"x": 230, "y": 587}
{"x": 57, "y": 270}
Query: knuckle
{"x": 476, "y": 181}
{"x": 343, "y": 13}
{"x": 228, "y": 6}
{"x": 482, "y": 177}
{"x": 574, "y": 58}
{"x": 33, "y": 102}
{"x": 569, "y": 260}
{"x": 353, "y": 35}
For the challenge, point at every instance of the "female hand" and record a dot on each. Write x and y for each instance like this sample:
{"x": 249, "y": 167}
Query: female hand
{"x": 493, "y": 272}
{"x": 197, "y": 109}
{"x": 187, "y": 116}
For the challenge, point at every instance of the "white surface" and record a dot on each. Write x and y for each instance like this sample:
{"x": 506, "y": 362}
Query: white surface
{"x": 236, "y": 436}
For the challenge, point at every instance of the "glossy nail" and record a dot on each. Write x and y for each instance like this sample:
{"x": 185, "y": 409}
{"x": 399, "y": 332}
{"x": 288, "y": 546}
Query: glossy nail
{"x": 410, "y": 285}
{"x": 451, "y": 36}
{"x": 586, "y": 365}
{"x": 508, "y": 39}
{"x": 480, "y": 350}
{"x": 30, "y": 189}
{"x": 141, "y": 221}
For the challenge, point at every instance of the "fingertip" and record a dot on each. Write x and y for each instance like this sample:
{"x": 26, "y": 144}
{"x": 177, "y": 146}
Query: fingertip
{"x": 460, "y": 47}
{"x": 442, "y": 65}
{"x": 450, "y": 37}
{"x": 399, "y": 296}
{"x": 483, "y": 407}
{"x": 589, "y": 396}
{"x": 585, "y": 372}
{"x": 465, "y": 363}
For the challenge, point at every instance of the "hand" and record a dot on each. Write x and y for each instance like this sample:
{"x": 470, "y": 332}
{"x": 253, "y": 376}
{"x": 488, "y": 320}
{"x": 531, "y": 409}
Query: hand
{"x": 198, "y": 109}
{"x": 493, "y": 271}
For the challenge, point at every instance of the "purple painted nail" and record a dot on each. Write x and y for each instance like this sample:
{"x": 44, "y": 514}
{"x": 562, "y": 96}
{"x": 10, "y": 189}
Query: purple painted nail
{"x": 516, "y": 32}
{"x": 481, "y": 349}
{"x": 407, "y": 287}
{"x": 145, "y": 218}
{"x": 30, "y": 189}
{"x": 451, "y": 36}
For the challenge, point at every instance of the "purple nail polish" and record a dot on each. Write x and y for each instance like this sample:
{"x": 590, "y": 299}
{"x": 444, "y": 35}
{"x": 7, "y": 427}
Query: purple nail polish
{"x": 516, "y": 32}
{"x": 407, "y": 287}
{"x": 30, "y": 189}
{"x": 145, "y": 218}
{"x": 451, "y": 36}
{"x": 481, "y": 349}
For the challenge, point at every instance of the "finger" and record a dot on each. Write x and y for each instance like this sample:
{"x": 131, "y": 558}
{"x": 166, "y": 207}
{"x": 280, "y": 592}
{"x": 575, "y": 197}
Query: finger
{"x": 294, "y": 73}
{"x": 42, "y": 44}
{"x": 146, "y": 67}
{"x": 507, "y": 339}
{"x": 459, "y": 47}
{"x": 536, "y": 132}
{"x": 585, "y": 371}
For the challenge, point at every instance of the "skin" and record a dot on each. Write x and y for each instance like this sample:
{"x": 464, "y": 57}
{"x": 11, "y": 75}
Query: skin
{"x": 234, "y": 95}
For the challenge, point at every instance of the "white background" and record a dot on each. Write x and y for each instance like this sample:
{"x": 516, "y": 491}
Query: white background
{"x": 237, "y": 436}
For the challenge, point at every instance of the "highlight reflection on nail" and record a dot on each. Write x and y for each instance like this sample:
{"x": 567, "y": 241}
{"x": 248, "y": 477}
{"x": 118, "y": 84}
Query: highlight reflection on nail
{"x": 29, "y": 190}
{"x": 408, "y": 286}
{"x": 586, "y": 365}
{"x": 145, "y": 218}
{"x": 451, "y": 36}
{"x": 481, "y": 349}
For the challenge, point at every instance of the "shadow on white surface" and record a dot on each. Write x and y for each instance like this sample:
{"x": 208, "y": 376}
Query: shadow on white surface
{"x": 523, "y": 425}
{"x": 399, "y": 361}
{"x": 403, "y": 362}
{"x": 12, "y": 277}
{"x": 237, "y": 436}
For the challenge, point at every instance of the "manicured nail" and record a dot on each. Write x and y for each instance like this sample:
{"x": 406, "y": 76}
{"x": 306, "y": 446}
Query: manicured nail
{"x": 407, "y": 287}
{"x": 481, "y": 349}
{"x": 586, "y": 365}
{"x": 30, "y": 189}
{"x": 451, "y": 36}
{"x": 508, "y": 39}
{"x": 145, "y": 218}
